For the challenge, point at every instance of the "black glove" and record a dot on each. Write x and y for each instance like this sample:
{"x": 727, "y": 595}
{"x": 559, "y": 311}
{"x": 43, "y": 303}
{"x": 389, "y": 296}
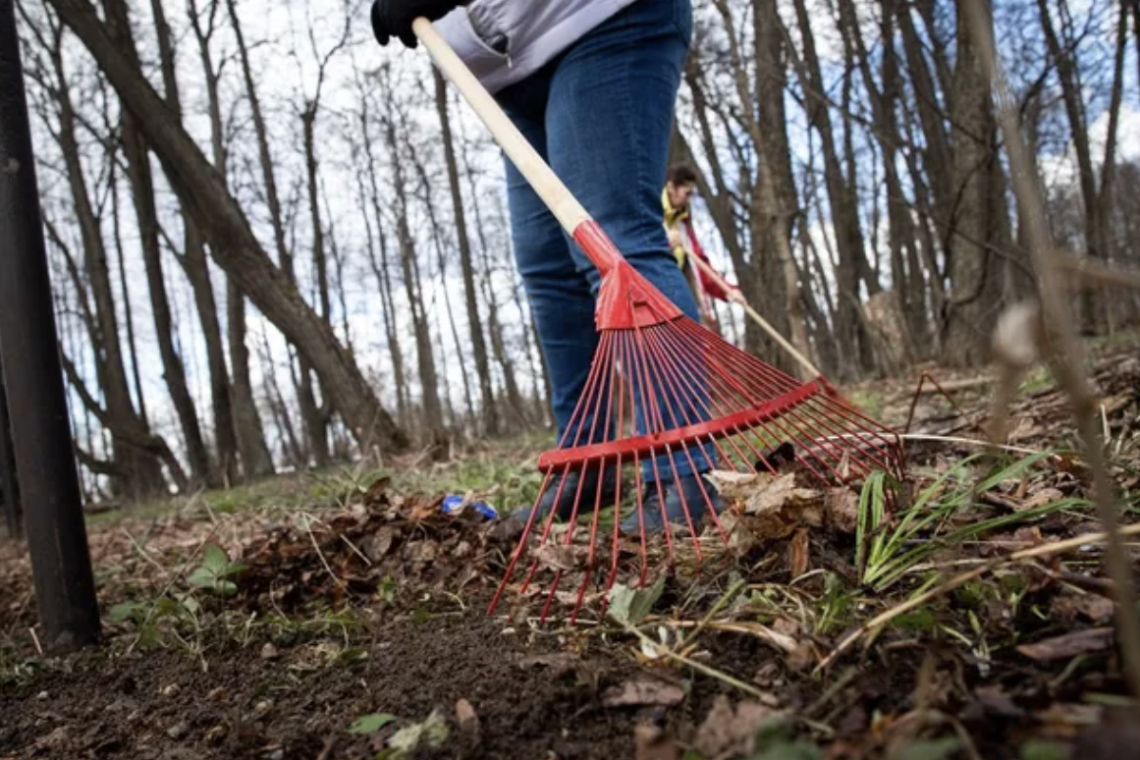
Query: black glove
{"x": 393, "y": 18}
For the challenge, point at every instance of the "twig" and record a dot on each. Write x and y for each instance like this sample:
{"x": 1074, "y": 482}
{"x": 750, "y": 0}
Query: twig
{"x": 969, "y": 442}
{"x": 828, "y": 695}
{"x": 36, "y": 641}
{"x": 728, "y": 596}
{"x": 779, "y": 641}
{"x": 703, "y": 669}
{"x": 1064, "y": 348}
{"x": 957, "y": 581}
{"x": 309, "y": 520}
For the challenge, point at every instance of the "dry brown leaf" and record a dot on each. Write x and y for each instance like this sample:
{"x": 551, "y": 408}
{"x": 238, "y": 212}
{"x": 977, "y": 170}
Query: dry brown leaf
{"x": 558, "y": 556}
{"x": 843, "y": 509}
{"x": 652, "y": 744}
{"x": 729, "y": 732}
{"x": 466, "y": 717}
{"x": 1039, "y": 499}
{"x": 1096, "y": 609}
{"x": 799, "y": 556}
{"x": 644, "y": 693}
{"x": 377, "y": 546}
{"x": 740, "y": 538}
{"x": 780, "y": 494}
{"x": 1069, "y": 645}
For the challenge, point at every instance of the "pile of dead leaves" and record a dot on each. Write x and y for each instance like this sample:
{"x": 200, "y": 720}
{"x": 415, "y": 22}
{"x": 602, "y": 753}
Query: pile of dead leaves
{"x": 383, "y": 541}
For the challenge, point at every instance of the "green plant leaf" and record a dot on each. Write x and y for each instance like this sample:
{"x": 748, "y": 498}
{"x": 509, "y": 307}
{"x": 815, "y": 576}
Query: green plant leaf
{"x": 202, "y": 577}
{"x": 215, "y": 559}
{"x": 121, "y": 613}
{"x": 790, "y": 751}
{"x": 632, "y": 605}
{"x": 936, "y": 749}
{"x": 1040, "y": 749}
{"x": 370, "y": 724}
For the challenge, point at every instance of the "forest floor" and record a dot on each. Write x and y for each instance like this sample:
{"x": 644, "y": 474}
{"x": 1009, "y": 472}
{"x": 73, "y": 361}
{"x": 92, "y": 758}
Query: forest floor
{"x": 341, "y": 615}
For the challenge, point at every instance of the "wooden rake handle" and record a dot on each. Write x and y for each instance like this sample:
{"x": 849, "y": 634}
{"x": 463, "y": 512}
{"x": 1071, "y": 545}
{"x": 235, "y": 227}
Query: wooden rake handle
{"x": 773, "y": 333}
{"x": 557, "y": 197}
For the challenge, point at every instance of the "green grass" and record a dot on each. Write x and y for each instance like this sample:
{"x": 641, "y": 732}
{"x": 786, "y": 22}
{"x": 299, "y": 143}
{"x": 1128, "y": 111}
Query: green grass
{"x": 870, "y": 402}
{"x": 889, "y": 548}
{"x": 503, "y": 472}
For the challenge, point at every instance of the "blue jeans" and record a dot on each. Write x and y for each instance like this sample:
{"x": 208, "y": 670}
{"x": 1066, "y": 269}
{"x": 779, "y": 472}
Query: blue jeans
{"x": 601, "y": 114}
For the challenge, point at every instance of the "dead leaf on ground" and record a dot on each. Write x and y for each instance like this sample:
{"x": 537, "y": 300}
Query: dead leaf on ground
{"x": 1069, "y": 645}
{"x": 559, "y": 664}
{"x": 1039, "y": 499}
{"x": 652, "y": 744}
{"x": 558, "y": 556}
{"x": 1097, "y": 609}
{"x": 643, "y": 693}
{"x": 728, "y": 732}
{"x": 376, "y": 547}
{"x": 799, "y": 556}
{"x": 466, "y": 717}
{"x": 842, "y": 509}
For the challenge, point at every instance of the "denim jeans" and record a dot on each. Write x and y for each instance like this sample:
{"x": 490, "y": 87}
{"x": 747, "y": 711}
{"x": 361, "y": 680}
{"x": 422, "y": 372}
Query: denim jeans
{"x": 601, "y": 114}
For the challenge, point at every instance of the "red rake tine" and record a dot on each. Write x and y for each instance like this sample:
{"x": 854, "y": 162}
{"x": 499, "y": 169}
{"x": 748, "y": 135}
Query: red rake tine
{"x": 680, "y": 390}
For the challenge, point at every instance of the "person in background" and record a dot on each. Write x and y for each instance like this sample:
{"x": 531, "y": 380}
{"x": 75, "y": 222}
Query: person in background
{"x": 676, "y": 200}
{"x": 592, "y": 85}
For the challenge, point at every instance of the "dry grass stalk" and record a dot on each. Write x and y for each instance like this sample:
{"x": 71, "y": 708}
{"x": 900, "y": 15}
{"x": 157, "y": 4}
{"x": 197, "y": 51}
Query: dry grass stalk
{"x": 1062, "y": 348}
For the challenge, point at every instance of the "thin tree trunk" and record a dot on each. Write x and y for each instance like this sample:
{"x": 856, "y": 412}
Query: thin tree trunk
{"x": 381, "y": 268}
{"x": 138, "y": 470}
{"x": 128, "y": 316}
{"x": 142, "y": 188}
{"x": 975, "y": 287}
{"x": 196, "y": 264}
{"x": 490, "y": 413}
{"x": 315, "y": 419}
{"x": 436, "y": 437}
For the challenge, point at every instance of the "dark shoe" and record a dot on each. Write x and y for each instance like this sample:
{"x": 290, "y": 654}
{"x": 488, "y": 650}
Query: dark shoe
{"x": 695, "y": 500}
{"x": 559, "y": 498}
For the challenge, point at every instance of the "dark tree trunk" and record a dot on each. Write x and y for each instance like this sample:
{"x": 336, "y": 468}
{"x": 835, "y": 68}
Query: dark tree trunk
{"x": 490, "y": 414}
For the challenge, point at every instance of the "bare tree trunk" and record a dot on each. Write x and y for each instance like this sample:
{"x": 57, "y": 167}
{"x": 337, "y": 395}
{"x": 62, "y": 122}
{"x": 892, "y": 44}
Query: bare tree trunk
{"x": 436, "y": 436}
{"x": 975, "y": 298}
{"x": 138, "y": 472}
{"x": 1072, "y": 93}
{"x": 853, "y": 269}
{"x": 490, "y": 413}
{"x": 314, "y": 417}
{"x": 294, "y": 452}
{"x": 196, "y": 265}
{"x": 142, "y": 187}
{"x": 128, "y": 318}
{"x": 221, "y": 219}
{"x": 380, "y": 268}
{"x": 437, "y": 241}
{"x": 518, "y": 417}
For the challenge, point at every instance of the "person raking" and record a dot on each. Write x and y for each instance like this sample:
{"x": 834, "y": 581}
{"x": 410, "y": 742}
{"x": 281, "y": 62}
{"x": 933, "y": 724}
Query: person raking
{"x": 592, "y": 86}
{"x": 676, "y": 202}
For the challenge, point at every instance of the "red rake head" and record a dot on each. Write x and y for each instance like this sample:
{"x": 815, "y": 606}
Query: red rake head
{"x": 665, "y": 401}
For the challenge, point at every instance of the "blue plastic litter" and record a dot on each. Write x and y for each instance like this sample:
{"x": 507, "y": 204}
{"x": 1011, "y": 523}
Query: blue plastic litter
{"x": 453, "y": 502}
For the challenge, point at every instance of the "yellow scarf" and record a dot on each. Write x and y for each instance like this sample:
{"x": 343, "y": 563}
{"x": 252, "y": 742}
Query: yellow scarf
{"x": 673, "y": 219}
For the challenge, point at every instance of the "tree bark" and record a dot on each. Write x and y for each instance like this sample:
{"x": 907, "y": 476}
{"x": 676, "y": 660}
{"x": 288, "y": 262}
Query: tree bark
{"x": 140, "y": 472}
{"x": 233, "y": 244}
{"x": 489, "y": 412}
{"x": 142, "y": 190}
{"x": 435, "y": 434}
{"x": 975, "y": 296}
